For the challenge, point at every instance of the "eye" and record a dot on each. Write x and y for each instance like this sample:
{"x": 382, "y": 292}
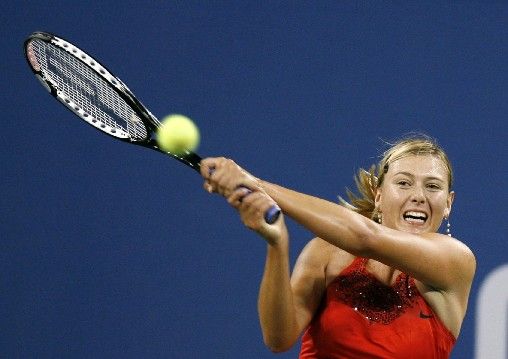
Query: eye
{"x": 433, "y": 186}
{"x": 403, "y": 183}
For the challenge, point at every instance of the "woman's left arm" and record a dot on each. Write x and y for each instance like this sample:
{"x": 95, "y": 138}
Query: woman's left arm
{"x": 437, "y": 260}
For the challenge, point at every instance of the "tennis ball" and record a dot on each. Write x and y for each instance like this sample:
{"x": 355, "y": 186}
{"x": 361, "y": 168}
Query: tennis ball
{"x": 177, "y": 134}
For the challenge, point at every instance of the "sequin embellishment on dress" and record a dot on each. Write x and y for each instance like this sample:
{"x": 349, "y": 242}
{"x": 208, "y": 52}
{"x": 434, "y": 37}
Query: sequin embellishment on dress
{"x": 376, "y": 301}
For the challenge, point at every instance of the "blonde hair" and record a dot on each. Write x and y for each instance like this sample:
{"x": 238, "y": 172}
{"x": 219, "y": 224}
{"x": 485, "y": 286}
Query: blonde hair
{"x": 367, "y": 182}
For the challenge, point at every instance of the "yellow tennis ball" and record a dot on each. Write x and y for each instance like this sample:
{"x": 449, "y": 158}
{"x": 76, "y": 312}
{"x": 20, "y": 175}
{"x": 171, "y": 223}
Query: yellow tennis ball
{"x": 177, "y": 134}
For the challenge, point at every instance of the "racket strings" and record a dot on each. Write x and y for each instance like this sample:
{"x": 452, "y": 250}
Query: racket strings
{"x": 86, "y": 92}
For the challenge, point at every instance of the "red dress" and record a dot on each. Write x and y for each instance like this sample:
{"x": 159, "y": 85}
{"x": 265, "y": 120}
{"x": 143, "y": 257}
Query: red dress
{"x": 360, "y": 317}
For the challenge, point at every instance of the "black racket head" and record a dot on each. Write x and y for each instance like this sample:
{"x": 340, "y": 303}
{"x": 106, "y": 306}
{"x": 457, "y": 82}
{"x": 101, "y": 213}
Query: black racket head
{"x": 93, "y": 93}
{"x": 88, "y": 88}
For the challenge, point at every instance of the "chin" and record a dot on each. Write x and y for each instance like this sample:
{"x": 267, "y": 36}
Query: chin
{"x": 414, "y": 229}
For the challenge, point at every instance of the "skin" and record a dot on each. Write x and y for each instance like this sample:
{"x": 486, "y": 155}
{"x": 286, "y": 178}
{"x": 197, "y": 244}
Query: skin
{"x": 442, "y": 266}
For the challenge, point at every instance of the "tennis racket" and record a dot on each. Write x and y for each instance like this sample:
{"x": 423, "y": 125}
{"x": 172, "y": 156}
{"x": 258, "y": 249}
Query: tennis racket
{"x": 98, "y": 97}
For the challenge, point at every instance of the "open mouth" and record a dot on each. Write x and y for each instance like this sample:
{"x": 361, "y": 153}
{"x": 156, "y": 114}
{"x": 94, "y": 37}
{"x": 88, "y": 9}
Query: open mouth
{"x": 415, "y": 217}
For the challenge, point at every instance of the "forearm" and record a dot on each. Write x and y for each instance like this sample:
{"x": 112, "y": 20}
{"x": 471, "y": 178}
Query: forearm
{"x": 277, "y": 313}
{"x": 334, "y": 223}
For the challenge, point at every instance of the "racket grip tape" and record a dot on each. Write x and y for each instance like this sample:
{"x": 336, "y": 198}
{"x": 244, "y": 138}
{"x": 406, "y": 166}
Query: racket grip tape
{"x": 272, "y": 214}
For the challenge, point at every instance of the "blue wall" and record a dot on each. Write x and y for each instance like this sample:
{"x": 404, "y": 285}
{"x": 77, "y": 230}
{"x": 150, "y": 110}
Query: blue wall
{"x": 109, "y": 250}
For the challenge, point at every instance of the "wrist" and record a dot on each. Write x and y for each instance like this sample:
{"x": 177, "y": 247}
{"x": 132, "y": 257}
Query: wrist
{"x": 279, "y": 241}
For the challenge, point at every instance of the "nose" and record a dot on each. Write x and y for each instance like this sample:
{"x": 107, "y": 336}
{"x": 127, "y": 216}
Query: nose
{"x": 418, "y": 195}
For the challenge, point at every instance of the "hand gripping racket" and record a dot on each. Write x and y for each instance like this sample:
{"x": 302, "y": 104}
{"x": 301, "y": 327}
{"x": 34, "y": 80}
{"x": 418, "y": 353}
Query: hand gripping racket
{"x": 101, "y": 99}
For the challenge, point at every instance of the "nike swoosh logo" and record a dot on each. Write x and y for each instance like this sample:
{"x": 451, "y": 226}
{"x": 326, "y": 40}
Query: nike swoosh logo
{"x": 425, "y": 316}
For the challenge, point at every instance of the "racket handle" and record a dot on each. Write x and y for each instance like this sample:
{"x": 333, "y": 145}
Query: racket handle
{"x": 272, "y": 214}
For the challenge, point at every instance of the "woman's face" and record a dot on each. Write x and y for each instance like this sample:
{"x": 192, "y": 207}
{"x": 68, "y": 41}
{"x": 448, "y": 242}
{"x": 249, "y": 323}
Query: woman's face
{"x": 414, "y": 196}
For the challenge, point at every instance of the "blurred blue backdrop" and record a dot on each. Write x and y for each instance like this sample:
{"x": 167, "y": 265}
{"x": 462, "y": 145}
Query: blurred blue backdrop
{"x": 110, "y": 250}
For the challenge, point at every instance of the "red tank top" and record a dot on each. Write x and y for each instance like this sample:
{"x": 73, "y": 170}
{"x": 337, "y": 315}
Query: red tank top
{"x": 360, "y": 317}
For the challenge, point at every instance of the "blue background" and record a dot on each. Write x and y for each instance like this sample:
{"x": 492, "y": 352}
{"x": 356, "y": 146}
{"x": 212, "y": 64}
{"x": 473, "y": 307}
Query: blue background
{"x": 110, "y": 250}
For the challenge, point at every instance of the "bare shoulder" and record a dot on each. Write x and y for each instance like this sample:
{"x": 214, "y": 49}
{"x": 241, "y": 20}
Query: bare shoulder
{"x": 456, "y": 250}
{"x": 315, "y": 254}
{"x": 317, "y": 246}
{"x": 311, "y": 273}
{"x": 319, "y": 251}
{"x": 325, "y": 257}
{"x": 466, "y": 261}
{"x": 460, "y": 263}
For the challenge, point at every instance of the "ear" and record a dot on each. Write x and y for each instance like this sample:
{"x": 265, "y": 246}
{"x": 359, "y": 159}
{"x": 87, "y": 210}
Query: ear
{"x": 449, "y": 202}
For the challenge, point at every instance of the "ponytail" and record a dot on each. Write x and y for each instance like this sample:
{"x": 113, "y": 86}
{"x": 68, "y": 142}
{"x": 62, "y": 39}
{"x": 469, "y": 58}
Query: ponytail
{"x": 363, "y": 202}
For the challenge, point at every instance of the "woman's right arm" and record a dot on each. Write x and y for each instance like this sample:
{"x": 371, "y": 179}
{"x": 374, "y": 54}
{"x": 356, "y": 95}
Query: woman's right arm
{"x": 286, "y": 303}
{"x": 286, "y": 306}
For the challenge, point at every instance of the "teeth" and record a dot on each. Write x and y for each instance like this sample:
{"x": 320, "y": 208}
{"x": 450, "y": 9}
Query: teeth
{"x": 416, "y": 214}
{"x": 414, "y": 220}
{"x": 413, "y": 216}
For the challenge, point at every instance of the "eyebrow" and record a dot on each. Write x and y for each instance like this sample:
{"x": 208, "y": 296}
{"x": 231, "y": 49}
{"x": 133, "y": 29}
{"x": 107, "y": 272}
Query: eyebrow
{"x": 412, "y": 176}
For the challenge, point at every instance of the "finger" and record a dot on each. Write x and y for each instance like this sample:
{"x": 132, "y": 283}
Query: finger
{"x": 220, "y": 182}
{"x": 208, "y": 166}
{"x": 225, "y": 176}
{"x": 208, "y": 187}
{"x": 255, "y": 203}
{"x": 253, "y": 209}
{"x": 205, "y": 167}
{"x": 211, "y": 171}
{"x": 238, "y": 195}
{"x": 266, "y": 205}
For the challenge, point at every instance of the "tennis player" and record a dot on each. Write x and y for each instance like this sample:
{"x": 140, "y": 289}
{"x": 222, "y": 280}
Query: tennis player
{"x": 378, "y": 281}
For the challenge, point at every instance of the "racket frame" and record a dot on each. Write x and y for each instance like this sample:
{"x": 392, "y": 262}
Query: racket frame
{"x": 150, "y": 122}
